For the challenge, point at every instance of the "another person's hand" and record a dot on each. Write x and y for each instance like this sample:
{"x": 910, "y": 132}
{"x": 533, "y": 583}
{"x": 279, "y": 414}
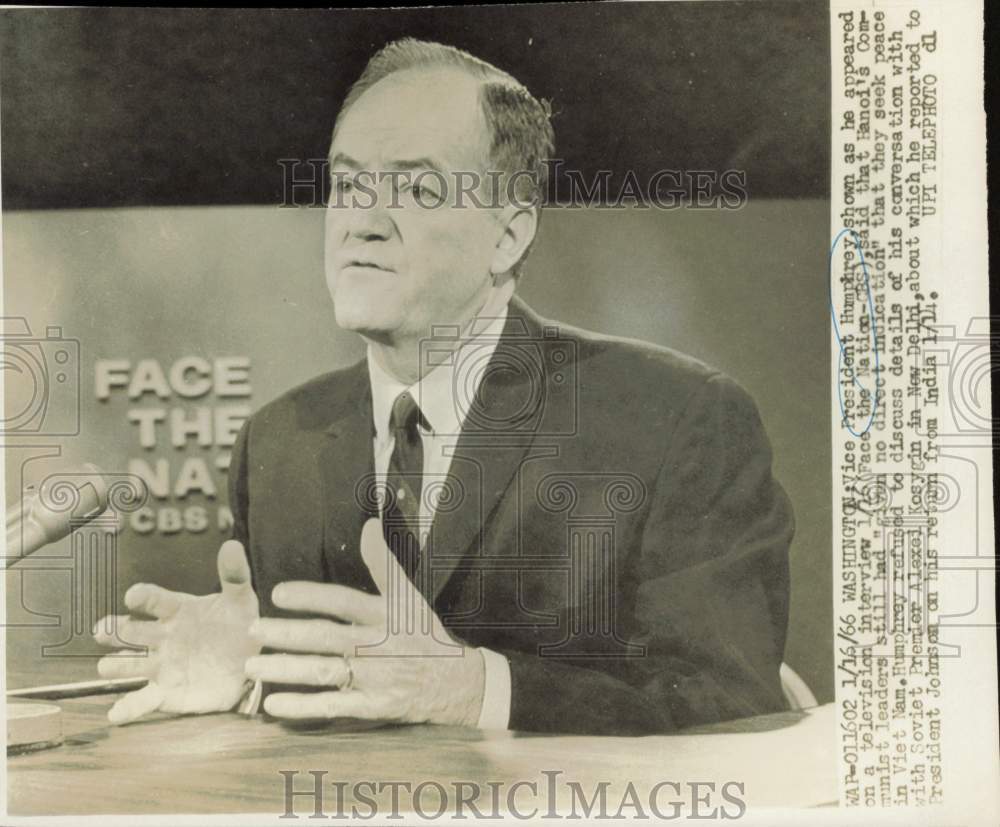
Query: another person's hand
{"x": 383, "y": 657}
{"x": 196, "y": 646}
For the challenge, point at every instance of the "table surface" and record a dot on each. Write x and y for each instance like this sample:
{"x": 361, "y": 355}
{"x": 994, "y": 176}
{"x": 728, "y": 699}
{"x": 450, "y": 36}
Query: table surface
{"x": 228, "y": 763}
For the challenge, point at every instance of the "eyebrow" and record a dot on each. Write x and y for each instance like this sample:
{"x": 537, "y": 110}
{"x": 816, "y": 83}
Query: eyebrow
{"x": 403, "y": 164}
{"x": 342, "y": 160}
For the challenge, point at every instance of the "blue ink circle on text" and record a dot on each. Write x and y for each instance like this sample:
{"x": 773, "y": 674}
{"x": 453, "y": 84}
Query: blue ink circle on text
{"x": 842, "y": 356}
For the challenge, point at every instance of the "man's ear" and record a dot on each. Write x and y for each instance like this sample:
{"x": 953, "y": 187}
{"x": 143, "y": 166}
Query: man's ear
{"x": 518, "y": 226}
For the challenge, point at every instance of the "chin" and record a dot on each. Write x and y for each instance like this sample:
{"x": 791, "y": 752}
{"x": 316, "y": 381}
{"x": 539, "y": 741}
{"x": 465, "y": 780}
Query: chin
{"x": 369, "y": 315}
{"x": 364, "y": 320}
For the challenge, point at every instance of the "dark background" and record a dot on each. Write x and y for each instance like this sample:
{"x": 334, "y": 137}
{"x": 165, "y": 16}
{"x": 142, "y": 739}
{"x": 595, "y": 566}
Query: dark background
{"x": 140, "y": 192}
{"x": 125, "y": 107}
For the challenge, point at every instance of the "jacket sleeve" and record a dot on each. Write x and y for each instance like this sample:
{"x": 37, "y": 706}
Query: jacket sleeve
{"x": 706, "y": 591}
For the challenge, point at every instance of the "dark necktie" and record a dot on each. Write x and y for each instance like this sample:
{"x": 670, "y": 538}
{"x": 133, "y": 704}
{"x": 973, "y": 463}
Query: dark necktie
{"x": 404, "y": 483}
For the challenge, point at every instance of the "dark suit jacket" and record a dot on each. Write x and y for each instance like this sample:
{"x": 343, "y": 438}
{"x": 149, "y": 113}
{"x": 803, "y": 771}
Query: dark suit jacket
{"x": 611, "y": 525}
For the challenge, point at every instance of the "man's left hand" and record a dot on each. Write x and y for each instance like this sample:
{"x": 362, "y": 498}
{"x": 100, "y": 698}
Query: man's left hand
{"x": 384, "y": 657}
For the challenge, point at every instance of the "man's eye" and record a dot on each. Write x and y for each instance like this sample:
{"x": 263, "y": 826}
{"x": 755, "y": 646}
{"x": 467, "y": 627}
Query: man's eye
{"x": 425, "y": 195}
{"x": 343, "y": 185}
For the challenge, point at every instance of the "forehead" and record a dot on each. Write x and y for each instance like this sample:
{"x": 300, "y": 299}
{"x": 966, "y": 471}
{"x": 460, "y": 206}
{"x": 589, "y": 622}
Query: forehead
{"x": 415, "y": 113}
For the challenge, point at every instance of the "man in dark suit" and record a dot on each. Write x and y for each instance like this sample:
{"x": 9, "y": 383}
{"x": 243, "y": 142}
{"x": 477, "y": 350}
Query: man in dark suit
{"x": 493, "y": 520}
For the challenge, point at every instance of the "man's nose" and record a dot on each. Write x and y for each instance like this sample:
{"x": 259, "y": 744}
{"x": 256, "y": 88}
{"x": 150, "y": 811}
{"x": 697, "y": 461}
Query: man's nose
{"x": 370, "y": 223}
{"x": 369, "y": 217}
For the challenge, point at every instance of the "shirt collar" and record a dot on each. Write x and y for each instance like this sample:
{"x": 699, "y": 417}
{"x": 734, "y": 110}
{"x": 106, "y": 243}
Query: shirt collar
{"x": 445, "y": 393}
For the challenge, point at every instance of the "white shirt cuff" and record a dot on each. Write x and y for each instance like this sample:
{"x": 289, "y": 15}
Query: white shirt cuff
{"x": 496, "y": 693}
{"x": 250, "y": 705}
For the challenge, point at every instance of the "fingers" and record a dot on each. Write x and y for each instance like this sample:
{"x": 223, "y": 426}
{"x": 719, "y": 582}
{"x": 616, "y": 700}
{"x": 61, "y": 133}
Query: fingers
{"x": 405, "y": 608}
{"x": 321, "y": 705}
{"x": 330, "y": 599}
{"x": 308, "y": 670}
{"x": 316, "y": 636}
{"x": 377, "y": 555}
{"x": 136, "y": 704}
{"x": 234, "y": 571}
{"x": 118, "y": 630}
{"x": 398, "y": 591}
{"x": 127, "y": 663}
{"x": 154, "y": 600}
{"x": 385, "y": 569}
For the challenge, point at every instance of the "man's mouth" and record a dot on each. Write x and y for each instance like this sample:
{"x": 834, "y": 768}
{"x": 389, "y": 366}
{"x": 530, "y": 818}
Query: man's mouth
{"x": 371, "y": 265}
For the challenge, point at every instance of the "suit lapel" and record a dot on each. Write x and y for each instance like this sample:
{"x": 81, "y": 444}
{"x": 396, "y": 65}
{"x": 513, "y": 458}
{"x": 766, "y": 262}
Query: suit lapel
{"x": 496, "y": 434}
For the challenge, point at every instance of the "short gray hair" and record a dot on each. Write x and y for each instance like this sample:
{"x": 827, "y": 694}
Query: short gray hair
{"x": 521, "y": 137}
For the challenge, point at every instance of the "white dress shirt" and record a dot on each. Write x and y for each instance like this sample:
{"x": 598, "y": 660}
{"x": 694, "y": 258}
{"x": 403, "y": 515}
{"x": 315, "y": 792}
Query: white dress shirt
{"x": 444, "y": 395}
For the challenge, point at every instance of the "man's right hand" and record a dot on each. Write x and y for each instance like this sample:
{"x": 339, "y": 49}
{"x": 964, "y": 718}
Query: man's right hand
{"x": 196, "y": 646}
